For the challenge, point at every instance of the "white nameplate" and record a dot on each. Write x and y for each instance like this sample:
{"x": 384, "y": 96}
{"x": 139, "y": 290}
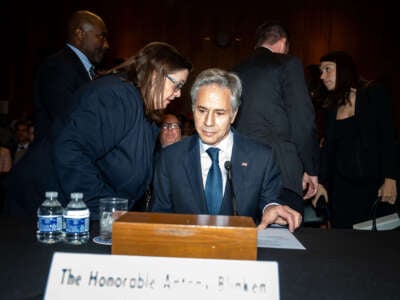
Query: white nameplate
{"x": 97, "y": 276}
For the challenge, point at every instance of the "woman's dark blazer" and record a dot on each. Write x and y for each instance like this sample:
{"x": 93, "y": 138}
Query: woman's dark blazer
{"x": 375, "y": 122}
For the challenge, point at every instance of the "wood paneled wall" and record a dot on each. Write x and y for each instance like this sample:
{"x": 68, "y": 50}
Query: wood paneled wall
{"x": 211, "y": 33}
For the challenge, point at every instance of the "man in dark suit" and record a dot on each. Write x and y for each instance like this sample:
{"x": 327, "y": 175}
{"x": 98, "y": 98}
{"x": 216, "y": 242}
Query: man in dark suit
{"x": 64, "y": 72}
{"x": 58, "y": 78}
{"x": 276, "y": 110}
{"x": 22, "y": 140}
{"x": 182, "y": 182}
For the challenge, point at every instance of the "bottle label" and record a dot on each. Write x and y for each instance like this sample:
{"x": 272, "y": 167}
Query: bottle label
{"x": 76, "y": 225}
{"x": 84, "y": 213}
{"x": 49, "y": 223}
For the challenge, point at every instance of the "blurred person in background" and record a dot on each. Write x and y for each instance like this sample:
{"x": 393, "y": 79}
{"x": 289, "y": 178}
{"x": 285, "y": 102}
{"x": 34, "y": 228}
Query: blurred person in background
{"x": 170, "y": 130}
{"x": 277, "y": 111}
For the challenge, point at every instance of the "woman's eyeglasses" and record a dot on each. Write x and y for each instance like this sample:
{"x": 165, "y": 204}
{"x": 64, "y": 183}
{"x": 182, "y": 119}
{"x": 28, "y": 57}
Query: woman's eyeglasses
{"x": 178, "y": 84}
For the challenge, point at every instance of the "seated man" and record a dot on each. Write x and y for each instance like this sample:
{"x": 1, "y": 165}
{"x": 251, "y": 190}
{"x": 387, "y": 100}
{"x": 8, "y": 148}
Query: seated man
{"x": 191, "y": 177}
{"x": 170, "y": 130}
{"x": 22, "y": 139}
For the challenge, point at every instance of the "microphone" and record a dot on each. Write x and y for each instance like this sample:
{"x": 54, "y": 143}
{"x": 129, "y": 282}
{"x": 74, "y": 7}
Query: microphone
{"x": 322, "y": 208}
{"x": 228, "y": 168}
{"x": 373, "y": 209}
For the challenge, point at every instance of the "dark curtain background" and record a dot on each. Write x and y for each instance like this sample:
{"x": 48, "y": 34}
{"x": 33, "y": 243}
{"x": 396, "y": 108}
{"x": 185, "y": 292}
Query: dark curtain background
{"x": 211, "y": 33}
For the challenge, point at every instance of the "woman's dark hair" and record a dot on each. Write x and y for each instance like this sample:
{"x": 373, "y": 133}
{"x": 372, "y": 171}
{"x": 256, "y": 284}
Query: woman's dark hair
{"x": 147, "y": 70}
{"x": 347, "y": 77}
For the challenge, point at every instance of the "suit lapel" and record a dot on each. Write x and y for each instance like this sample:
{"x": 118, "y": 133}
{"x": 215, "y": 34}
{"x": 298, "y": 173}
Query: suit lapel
{"x": 192, "y": 168}
{"x": 82, "y": 71}
{"x": 239, "y": 162}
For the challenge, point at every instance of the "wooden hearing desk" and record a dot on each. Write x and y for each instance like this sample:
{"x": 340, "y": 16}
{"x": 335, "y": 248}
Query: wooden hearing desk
{"x": 337, "y": 264}
{"x": 180, "y": 235}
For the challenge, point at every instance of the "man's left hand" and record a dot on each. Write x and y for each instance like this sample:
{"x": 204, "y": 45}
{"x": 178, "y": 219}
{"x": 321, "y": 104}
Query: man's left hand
{"x": 388, "y": 191}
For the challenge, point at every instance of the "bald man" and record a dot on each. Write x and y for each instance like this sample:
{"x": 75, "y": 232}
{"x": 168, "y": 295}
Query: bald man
{"x": 64, "y": 72}
{"x": 58, "y": 78}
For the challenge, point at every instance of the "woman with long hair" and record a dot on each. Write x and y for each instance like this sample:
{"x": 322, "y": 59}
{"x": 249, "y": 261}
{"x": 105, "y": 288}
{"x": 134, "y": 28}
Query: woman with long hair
{"x": 106, "y": 148}
{"x": 358, "y": 159}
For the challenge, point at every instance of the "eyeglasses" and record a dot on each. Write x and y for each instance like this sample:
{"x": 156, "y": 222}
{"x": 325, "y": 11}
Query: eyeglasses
{"x": 165, "y": 126}
{"x": 178, "y": 84}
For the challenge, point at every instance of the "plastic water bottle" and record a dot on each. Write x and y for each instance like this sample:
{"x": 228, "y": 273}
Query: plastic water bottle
{"x": 49, "y": 224}
{"x": 76, "y": 220}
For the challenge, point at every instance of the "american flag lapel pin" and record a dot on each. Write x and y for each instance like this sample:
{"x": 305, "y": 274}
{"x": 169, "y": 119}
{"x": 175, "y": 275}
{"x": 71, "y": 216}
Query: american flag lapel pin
{"x": 244, "y": 164}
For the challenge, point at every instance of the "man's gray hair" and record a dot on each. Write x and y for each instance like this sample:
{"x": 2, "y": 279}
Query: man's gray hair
{"x": 220, "y": 78}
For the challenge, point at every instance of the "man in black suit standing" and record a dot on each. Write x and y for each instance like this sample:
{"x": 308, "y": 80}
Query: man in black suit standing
{"x": 192, "y": 177}
{"x": 276, "y": 110}
{"x": 58, "y": 78}
{"x": 64, "y": 72}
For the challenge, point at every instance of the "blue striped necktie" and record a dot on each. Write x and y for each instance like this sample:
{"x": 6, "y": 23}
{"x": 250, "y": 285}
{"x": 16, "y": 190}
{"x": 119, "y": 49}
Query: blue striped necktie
{"x": 213, "y": 190}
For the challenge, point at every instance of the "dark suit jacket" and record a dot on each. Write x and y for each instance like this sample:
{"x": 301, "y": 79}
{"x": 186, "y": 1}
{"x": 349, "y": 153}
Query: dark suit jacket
{"x": 58, "y": 77}
{"x": 178, "y": 183}
{"x": 106, "y": 148}
{"x": 377, "y": 131}
{"x": 276, "y": 110}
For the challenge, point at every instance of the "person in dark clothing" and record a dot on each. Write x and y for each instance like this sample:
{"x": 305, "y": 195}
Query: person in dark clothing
{"x": 64, "y": 72}
{"x": 196, "y": 165}
{"x": 58, "y": 78}
{"x": 106, "y": 146}
{"x": 276, "y": 110}
{"x": 358, "y": 160}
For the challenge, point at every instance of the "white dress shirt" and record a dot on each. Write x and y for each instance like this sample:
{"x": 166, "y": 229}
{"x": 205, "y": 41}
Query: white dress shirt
{"x": 83, "y": 58}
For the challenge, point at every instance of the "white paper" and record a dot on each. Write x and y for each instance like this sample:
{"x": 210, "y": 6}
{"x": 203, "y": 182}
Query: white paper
{"x": 280, "y": 238}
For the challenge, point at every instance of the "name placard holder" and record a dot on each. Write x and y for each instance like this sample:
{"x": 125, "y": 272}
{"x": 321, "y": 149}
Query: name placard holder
{"x": 98, "y": 276}
{"x": 184, "y": 235}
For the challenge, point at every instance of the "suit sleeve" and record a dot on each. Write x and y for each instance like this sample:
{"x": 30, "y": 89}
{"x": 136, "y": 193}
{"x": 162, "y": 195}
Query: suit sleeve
{"x": 55, "y": 84}
{"x": 301, "y": 115}
{"x": 94, "y": 128}
{"x": 272, "y": 183}
{"x": 161, "y": 187}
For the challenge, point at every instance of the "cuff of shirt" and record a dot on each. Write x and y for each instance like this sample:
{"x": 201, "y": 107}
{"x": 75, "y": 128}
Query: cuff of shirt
{"x": 269, "y": 204}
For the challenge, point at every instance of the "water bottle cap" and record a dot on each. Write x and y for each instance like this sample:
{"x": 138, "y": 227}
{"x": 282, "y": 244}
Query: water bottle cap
{"x": 76, "y": 196}
{"x": 51, "y": 194}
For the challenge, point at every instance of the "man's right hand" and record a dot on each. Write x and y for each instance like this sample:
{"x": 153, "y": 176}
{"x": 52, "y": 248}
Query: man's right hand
{"x": 282, "y": 215}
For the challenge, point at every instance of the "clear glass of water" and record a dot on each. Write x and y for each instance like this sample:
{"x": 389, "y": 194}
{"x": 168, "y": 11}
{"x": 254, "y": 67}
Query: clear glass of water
{"x": 109, "y": 209}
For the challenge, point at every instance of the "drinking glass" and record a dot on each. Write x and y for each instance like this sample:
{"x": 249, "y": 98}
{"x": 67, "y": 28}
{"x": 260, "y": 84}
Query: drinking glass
{"x": 110, "y": 209}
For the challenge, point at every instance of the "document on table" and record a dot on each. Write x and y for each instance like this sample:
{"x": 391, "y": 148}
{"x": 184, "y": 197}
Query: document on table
{"x": 280, "y": 238}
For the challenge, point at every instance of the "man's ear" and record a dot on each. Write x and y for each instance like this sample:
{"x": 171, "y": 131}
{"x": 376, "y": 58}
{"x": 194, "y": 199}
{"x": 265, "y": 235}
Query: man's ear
{"x": 285, "y": 46}
{"x": 282, "y": 45}
{"x": 79, "y": 33}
